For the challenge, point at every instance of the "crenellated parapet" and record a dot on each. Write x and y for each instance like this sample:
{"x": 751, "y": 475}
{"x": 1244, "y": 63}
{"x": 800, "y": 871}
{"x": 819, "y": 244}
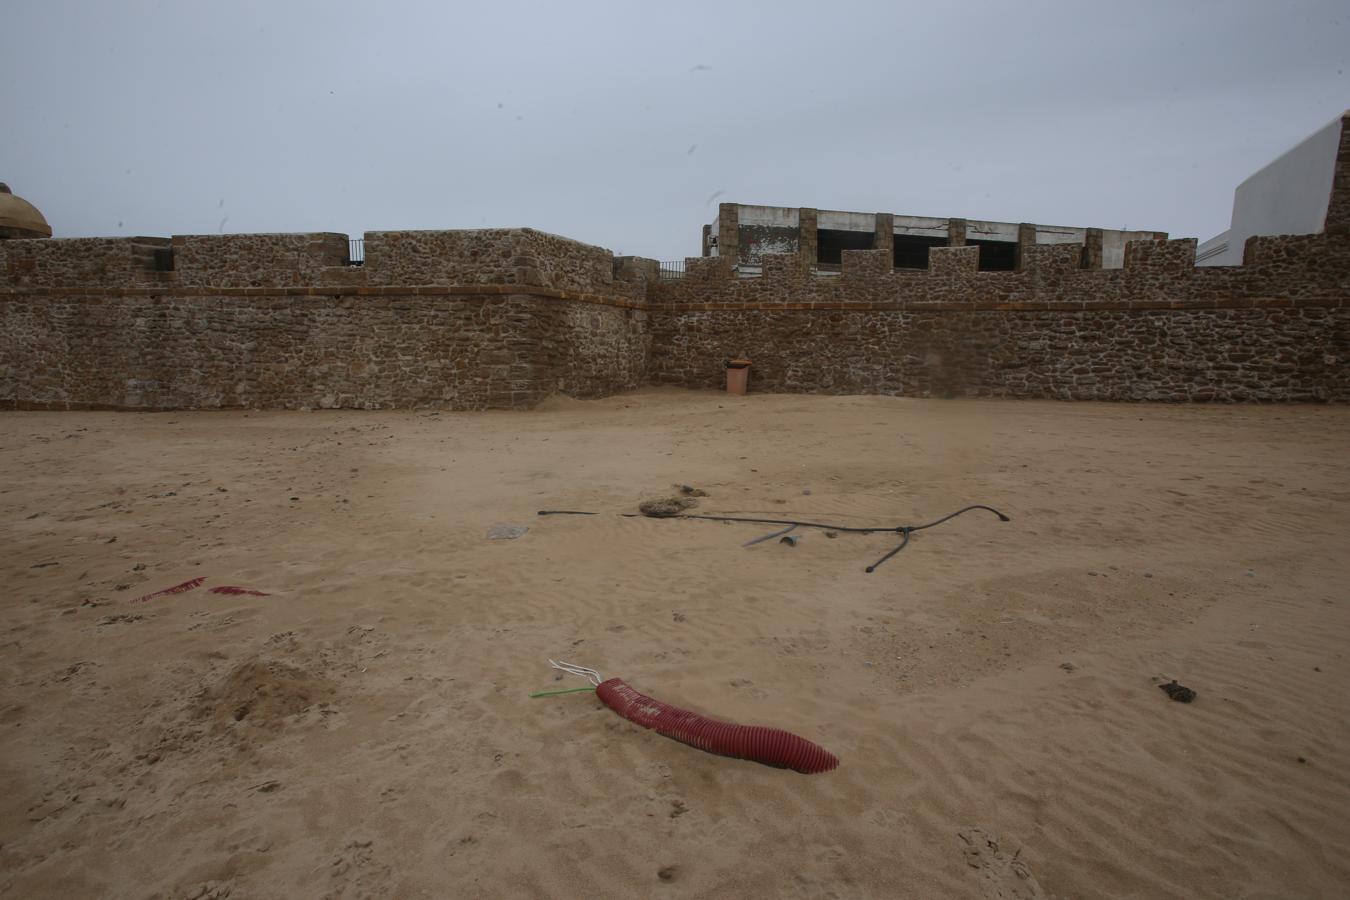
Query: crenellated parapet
{"x": 493, "y": 318}
{"x": 1157, "y": 273}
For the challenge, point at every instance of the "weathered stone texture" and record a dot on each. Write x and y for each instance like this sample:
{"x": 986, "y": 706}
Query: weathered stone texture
{"x": 595, "y": 351}
{"x": 288, "y": 352}
{"x": 756, "y": 241}
{"x": 728, "y": 232}
{"x": 1304, "y": 267}
{"x": 1338, "y": 208}
{"x": 808, "y": 241}
{"x": 1170, "y": 355}
{"x": 1161, "y": 255}
{"x": 954, "y": 260}
{"x": 636, "y": 269}
{"x": 1158, "y": 329}
{"x": 282, "y": 352}
{"x": 520, "y": 256}
{"x": 504, "y": 318}
{"x": 108, "y": 262}
{"x": 255, "y": 260}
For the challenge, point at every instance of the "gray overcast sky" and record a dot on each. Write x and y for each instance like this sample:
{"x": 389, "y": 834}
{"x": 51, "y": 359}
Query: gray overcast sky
{"x": 615, "y": 123}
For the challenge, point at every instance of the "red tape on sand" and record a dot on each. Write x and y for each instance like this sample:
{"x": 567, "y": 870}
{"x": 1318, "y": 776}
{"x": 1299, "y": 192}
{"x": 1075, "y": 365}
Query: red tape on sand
{"x": 176, "y": 589}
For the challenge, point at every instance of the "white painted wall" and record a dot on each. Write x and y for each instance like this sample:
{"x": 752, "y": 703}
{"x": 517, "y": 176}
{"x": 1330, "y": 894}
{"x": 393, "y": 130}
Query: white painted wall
{"x": 1212, "y": 249}
{"x": 835, "y": 220}
{"x": 1289, "y": 196}
{"x": 1056, "y": 234}
{"x": 991, "y": 231}
{"x": 777, "y": 216}
{"x": 1113, "y": 247}
{"x": 927, "y": 226}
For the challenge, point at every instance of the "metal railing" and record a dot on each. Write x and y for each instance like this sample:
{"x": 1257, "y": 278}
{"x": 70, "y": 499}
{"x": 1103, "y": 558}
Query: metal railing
{"x": 356, "y": 252}
{"x": 672, "y": 270}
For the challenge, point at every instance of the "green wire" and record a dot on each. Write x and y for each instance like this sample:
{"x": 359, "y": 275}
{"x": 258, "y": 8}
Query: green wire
{"x": 563, "y": 691}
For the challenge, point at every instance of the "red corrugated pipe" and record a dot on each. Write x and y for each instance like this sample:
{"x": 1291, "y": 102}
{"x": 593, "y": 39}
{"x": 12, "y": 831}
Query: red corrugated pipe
{"x": 771, "y": 746}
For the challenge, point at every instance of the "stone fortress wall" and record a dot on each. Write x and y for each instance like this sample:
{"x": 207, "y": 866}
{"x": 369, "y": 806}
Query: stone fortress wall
{"x": 460, "y": 320}
{"x": 1277, "y": 328}
{"x": 503, "y": 318}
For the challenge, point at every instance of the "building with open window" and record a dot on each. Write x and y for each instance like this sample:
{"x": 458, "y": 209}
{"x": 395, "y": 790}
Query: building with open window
{"x": 745, "y": 233}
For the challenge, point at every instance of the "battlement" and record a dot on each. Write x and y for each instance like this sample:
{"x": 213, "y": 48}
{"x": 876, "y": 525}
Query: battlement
{"x": 505, "y": 317}
{"x": 503, "y": 256}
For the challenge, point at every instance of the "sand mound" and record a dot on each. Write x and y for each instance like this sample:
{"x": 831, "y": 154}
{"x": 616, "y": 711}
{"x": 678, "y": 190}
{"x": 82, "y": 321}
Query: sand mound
{"x": 262, "y": 693}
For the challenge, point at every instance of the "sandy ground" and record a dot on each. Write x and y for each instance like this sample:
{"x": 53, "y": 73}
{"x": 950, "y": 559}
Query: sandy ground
{"x": 991, "y": 693}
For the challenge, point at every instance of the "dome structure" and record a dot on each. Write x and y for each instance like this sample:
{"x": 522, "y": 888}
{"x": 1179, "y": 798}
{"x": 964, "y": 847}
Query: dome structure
{"x": 19, "y": 218}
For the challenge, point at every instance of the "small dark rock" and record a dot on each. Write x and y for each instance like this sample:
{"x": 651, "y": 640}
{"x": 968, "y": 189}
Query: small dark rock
{"x": 1177, "y": 692}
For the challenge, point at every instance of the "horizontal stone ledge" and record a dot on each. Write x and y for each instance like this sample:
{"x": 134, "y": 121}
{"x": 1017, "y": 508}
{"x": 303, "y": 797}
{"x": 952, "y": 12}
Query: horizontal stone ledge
{"x": 430, "y": 290}
{"x": 484, "y": 291}
{"x": 83, "y": 406}
{"x": 1010, "y": 306}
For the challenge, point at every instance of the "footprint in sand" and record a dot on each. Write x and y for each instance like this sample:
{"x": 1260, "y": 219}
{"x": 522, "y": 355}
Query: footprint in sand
{"x": 1002, "y": 876}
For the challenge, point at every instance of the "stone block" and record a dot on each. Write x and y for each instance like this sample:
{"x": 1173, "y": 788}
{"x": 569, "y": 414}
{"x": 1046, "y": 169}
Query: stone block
{"x": 948, "y": 261}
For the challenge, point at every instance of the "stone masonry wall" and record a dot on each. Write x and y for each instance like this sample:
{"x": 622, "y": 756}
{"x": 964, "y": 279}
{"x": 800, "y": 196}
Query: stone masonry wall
{"x": 110, "y": 262}
{"x": 1338, "y": 207}
{"x": 506, "y": 317}
{"x": 255, "y": 260}
{"x": 489, "y": 256}
{"x": 1155, "y": 354}
{"x": 454, "y": 351}
{"x": 462, "y": 320}
{"x": 595, "y": 351}
{"x": 1158, "y": 329}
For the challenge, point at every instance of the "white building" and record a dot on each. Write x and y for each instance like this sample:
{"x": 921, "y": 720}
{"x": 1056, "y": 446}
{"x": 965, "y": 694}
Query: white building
{"x": 747, "y": 232}
{"x": 1289, "y": 196}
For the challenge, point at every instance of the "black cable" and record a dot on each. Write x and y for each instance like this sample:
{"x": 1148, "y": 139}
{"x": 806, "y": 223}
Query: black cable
{"x": 843, "y": 528}
{"x": 898, "y": 529}
{"x": 904, "y": 530}
{"x": 1001, "y": 516}
{"x": 874, "y": 566}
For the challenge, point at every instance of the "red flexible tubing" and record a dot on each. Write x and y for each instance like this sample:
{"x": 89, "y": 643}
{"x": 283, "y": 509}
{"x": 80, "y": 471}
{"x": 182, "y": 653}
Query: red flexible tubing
{"x": 771, "y": 746}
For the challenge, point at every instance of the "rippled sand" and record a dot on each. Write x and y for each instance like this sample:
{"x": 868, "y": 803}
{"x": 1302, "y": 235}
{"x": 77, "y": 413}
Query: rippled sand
{"x": 991, "y": 693}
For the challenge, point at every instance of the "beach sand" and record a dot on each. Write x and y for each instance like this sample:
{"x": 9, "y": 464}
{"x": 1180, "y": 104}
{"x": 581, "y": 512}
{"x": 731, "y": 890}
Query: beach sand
{"x": 991, "y": 692}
